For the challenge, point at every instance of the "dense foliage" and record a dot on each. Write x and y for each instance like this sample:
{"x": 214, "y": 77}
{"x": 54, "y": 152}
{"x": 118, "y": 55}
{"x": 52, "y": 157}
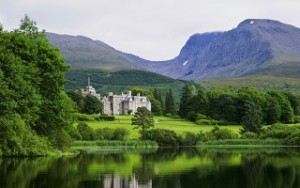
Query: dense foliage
{"x": 245, "y": 106}
{"x": 88, "y": 104}
{"x": 33, "y": 106}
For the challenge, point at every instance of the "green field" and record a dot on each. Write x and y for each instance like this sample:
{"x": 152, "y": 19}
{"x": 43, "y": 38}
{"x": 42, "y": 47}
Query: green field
{"x": 180, "y": 126}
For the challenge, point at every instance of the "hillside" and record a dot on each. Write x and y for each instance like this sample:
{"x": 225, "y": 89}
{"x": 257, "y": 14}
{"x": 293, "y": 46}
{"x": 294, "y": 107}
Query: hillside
{"x": 120, "y": 81}
{"x": 84, "y": 53}
{"x": 262, "y": 83}
{"x": 255, "y": 47}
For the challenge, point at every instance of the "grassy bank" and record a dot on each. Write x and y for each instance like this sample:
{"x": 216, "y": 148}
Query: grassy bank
{"x": 241, "y": 143}
{"x": 180, "y": 126}
{"x": 104, "y": 145}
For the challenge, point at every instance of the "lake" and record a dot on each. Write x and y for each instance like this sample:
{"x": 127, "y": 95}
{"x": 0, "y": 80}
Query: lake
{"x": 165, "y": 168}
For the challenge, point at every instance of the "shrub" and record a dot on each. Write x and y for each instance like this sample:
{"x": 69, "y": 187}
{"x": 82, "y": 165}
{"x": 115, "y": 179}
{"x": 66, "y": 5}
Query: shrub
{"x": 17, "y": 139}
{"x": 279, "y": 131}
{"x": 219, "y": 134}
{"x": 60, "y": 139}
{"x": 249, "y": 135}
{"x": 297, "y": 119}
{"x": 190, "y": 139}
{"x": 293, "y": 139}
{"x": 203, "y": 122}
{"x": 85, "y": 131}
{"x": 120, "y": 134}
{"x": 203, "y": 137}
{"x": 84, "y": 117}
{"x": 163, "y": 137}
{"x": 201, "y": 116}
{"x": 104, "y": 134}
{"x": 73, "y": 132}
{"x": 106, "y": 118}
{"x": 191, "y": 116}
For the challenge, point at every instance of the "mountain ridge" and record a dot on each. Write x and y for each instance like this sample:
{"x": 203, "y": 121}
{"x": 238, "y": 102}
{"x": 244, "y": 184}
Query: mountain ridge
{"x": 254, "y": 47}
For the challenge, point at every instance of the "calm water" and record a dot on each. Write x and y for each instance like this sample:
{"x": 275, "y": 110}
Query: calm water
{"x": 183, "y": 168}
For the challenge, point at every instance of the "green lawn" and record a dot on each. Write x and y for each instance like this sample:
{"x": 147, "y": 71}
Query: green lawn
{"x": 180, "y": 126}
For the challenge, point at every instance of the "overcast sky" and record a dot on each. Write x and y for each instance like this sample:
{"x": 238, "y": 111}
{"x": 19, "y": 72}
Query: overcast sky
{"x": 151, "y": 29}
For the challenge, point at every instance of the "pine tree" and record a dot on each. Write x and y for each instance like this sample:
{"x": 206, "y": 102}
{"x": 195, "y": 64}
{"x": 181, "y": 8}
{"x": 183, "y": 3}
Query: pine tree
{"x": 185, "y": 100}
{"x": 170, "y": 107}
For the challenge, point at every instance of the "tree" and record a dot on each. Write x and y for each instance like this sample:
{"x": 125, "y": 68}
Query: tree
{"x": 287, "y": 114}
{"x": 272, "y": 110}
{"x": 185, "y": 100}
{"x": 158, "y": 96}
{"x": 92, "y": 105}
{"x": 170, "y": 107}
{"x": 251, "y": 121}
{"x": 143, "y": 119}
{"x": 77, "y": 98}
{"x": 156, "y": 107}
{"x": 32, "y": 85}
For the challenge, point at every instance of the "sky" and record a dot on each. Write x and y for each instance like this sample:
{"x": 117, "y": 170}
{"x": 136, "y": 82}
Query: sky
{"x": 151, "y": 29}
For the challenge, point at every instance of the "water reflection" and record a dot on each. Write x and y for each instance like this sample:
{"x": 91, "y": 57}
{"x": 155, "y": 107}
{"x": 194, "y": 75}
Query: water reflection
{"x": 276, "y": 168}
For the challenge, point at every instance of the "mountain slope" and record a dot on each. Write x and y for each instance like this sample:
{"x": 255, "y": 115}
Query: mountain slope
{"x": 255, "y": 47}
{"x": 84, "y": 53}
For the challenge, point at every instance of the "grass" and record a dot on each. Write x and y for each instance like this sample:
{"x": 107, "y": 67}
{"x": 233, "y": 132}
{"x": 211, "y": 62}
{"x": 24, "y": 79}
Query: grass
{"x": 241, "y": 143}
{"x": 180, "y": 126}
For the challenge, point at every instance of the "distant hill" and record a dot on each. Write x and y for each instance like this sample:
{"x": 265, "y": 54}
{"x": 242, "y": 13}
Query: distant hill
{"x": 255, "y": 47}
{"x": 120, "y": 81}
{"x": 84, "y": 53}
{"x": 110, "y": 69}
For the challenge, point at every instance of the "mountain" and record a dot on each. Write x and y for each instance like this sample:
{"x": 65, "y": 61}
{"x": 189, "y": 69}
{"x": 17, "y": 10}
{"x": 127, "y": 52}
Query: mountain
{"x": 256, "y": 47}
{"x": 109, "y": 69}
{"x": 84, "y": 53}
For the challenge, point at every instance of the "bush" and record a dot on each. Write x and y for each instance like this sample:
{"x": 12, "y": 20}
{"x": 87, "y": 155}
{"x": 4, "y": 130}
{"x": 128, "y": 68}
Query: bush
{"x": 219, "y": 134}
{"x": 297, "y": 119}
{"x": 203, "y": 122}
{"x": 84, "y": 117}
{"x": 293, "y": 139}
{"x": 17, "y": 139}
{"x": 201, "y": 116}
{"x": 73, "y": 132}
{"x": 190, "y": 139}
{"x": 85, "y": 131}
{"x": 279, "y": 131}
{"x": 163, "y": 137}
{"x": 120, "y": 134}
{"x": 106, "y": 118}
{"x": 104, "y": 134}
{"x": 249, "y": 135}
{"x": 60, "y": 139}
{"x": 191, "y": 116}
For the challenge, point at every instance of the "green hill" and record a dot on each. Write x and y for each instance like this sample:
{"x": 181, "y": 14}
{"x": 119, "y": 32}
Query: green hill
{"x": 259, "y": 82}
{"x": 120, "y": 81}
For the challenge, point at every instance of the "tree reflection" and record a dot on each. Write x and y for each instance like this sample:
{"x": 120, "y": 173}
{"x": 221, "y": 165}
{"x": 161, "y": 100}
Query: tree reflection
{"x": 165, "y": 168}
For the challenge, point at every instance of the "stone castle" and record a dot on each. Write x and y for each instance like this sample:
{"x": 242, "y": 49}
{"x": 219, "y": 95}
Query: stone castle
{"x": 118, "y": 104}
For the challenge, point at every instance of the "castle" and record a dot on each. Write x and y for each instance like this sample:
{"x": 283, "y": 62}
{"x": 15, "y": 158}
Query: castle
{"x": 118, "y": 104}
{"x": 121, "y": 104}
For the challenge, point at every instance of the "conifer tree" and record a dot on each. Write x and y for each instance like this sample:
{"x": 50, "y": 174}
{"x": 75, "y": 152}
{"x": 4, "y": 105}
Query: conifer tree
{"x": 170, "y": 107}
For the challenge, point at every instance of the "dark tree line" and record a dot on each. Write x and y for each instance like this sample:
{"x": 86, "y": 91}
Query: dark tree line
{"x": 245, "y": 106}
{"x": 158, "y": 105}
